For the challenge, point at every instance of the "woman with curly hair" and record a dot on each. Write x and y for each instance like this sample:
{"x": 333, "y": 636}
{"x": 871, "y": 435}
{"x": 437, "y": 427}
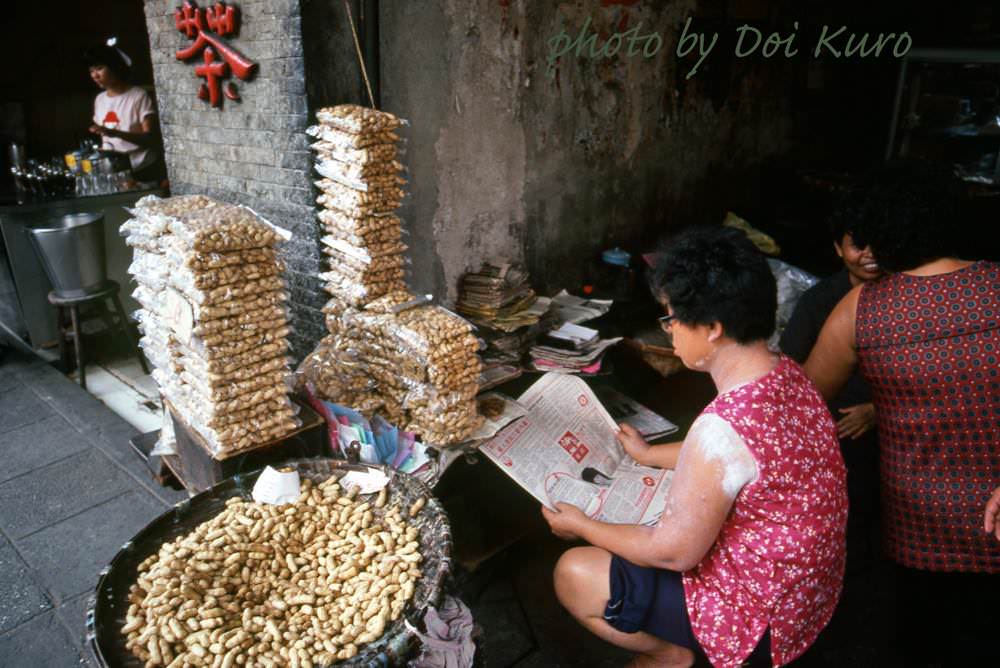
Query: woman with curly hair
{"x": 926, "y": 337}
{"x": 748, "y": 558}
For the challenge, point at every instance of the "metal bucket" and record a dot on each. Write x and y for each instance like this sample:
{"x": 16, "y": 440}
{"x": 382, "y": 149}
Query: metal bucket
{"x": 71, "y": 249}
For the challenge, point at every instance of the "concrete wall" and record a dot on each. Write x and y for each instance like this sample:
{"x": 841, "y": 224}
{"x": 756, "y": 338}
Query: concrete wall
{"x": 503, "y": 161}
{"x": 252, "y": 152}
{"x": 508, "y": 163}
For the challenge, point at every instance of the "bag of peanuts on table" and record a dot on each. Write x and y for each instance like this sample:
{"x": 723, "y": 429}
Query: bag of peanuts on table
{"x": 214, "y": 317}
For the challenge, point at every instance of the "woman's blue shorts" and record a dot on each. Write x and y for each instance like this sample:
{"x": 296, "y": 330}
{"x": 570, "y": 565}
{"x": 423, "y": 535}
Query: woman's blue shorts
{"x": 652, "y": 600}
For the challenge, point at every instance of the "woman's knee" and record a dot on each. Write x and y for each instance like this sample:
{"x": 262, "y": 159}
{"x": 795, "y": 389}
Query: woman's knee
{"x": 581, "y": 576}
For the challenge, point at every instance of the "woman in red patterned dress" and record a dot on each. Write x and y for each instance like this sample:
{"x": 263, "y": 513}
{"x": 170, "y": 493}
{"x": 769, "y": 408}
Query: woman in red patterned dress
{"x": 748, "y": 558}
{"x": 926, "y": 337}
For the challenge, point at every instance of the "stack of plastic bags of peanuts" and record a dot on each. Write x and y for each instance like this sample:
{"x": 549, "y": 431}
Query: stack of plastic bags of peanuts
{"x": 360, "y": 190}
{"x": 214, "y": 318}
{"x": 388, "y": 352}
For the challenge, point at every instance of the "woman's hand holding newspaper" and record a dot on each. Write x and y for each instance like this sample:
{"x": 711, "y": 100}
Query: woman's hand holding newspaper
{"x": 633, "y": 443}
{"x": 566, "y": 521}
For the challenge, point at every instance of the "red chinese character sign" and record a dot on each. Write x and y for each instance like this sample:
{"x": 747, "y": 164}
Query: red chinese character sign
{"x": 206, "y": 27}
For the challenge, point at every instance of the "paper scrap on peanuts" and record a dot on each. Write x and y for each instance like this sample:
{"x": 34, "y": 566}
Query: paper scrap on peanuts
{"x": 369, "y": 481}
{"x": 276, "y": 487}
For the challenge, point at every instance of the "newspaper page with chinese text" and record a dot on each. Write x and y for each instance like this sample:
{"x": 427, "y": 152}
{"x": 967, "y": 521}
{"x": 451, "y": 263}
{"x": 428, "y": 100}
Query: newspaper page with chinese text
{"x": 565, "y": 451}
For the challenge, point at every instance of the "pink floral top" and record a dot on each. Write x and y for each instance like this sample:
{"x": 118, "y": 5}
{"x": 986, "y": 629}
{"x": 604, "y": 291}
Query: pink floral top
{"x": 779, "y": 559}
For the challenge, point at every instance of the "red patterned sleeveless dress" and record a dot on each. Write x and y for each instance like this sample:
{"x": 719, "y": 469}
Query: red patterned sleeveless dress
{"x": 929, "y": 347}
{"x": 779, "y": 559}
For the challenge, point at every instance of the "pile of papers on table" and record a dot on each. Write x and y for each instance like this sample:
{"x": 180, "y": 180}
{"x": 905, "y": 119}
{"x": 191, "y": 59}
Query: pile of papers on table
{"x": 569, "y": 308}
{"x": 500, "y": 301}
{"x": 571, "y": 349}
{"x": 498, "y": 296}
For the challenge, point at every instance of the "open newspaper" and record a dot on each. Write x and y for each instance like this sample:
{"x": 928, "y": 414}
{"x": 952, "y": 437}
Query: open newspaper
{"x": 565, "y": 451}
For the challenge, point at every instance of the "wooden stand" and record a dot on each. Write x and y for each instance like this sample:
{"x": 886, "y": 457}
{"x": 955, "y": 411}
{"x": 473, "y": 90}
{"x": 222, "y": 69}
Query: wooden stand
{"x": 198, "y": 469}
{"x": 143, "y": 445}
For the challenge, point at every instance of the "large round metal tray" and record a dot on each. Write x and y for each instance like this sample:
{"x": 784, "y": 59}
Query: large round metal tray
{"x": 107, "y": 607}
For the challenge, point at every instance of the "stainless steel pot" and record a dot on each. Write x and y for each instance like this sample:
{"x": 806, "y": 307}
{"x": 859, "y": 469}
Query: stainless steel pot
{"x": 71, "y": 249}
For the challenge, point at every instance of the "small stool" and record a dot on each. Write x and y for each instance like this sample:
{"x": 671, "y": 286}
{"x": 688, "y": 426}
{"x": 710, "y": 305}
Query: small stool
{"x": 73, "y": 304}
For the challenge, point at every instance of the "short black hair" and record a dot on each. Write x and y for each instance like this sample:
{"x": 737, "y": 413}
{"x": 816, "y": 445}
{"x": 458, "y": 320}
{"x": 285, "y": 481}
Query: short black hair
{"x": 906, "y": 211}
{"x": 102, "y": 54}
{"x": 842, "y": 225}
{"x": 716, "y": 274}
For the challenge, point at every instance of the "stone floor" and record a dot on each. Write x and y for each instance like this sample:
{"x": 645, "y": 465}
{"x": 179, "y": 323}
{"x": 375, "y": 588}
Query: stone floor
{"x": 72, "y": 491}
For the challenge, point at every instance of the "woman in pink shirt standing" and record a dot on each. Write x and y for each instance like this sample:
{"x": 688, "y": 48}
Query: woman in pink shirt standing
{"x": 749, "y": 556}
{"x": 124, "y": 114}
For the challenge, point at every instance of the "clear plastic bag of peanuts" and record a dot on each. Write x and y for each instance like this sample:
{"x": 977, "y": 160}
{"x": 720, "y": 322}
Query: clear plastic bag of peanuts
{"x": 159, "y": 210}
{"x": 282, "y": 406}
{"x": 225, "y": 228}
{"x": 237, "y": 307}
{"x": 374, "y": 154}
{"x": 357, "y": 294}
{"x": 335, "y": 220}
{"x": 454, "y": 375}
{"x": 201, "y": 367}
{"x": 356, "y": 119}
{"x": 361, "y": 258}
{"x": 207, "y": 405}
{"x": 188, "y": 280}
{"x": 335, "y": 370}
{"x": 435, "y": 400}
{"x": 233, "y": 437}
{"x": 387, "y": 241}
{"x": 151, "y": 215}
{"x": 349, "y": 206}
{"x": 231, "y": 347}
{"x": 144, "y": 242}
{"x": 343, "y": 198}
{"x": 399, "y": 378}
{"x": 434, "y": 332}
{"x": 180, "y": 256}
{"x": 149, "y": 269}
{"x": 239, "y": 333}
{"x": 444, "y": 429}
{"x": 332, "y": 170}
{"x": 224, "y": 294}
{"x": 261, "y": 318}
{"x": 159, "y": 355}
{"x": 350, "y": 140}
{"x": 149, "y": 227}
{"x": 366, "y": 175}
{"x": 371, "y": 275}
{"x": 234, "y": 364}
{"x": 229, "y": 390}
{"x": 252, "y": 433}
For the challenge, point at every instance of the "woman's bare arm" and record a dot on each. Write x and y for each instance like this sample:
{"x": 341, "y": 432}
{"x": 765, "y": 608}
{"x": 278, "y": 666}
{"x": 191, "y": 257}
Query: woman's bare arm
{"x": 662, "y": 456}
{"x": 834, "y": 357}
{"x": 143, "y": 134}
{"x": 713, "y": 467}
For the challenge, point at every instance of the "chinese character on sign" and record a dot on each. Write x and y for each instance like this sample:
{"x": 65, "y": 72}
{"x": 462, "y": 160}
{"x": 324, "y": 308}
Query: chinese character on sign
{"x": 207, "y": 26}
{"x": 571, "y": 444}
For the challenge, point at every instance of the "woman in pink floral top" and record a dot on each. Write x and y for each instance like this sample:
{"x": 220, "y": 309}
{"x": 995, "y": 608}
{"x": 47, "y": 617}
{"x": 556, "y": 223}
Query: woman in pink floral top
{"x": 748, "y": 559}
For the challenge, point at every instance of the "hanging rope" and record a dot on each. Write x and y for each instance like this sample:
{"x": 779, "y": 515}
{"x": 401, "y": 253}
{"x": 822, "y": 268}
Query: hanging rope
{"x": 357, "y": 47}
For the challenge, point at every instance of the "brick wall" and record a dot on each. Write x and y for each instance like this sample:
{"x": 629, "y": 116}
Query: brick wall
{"x": 253, "y": 152}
